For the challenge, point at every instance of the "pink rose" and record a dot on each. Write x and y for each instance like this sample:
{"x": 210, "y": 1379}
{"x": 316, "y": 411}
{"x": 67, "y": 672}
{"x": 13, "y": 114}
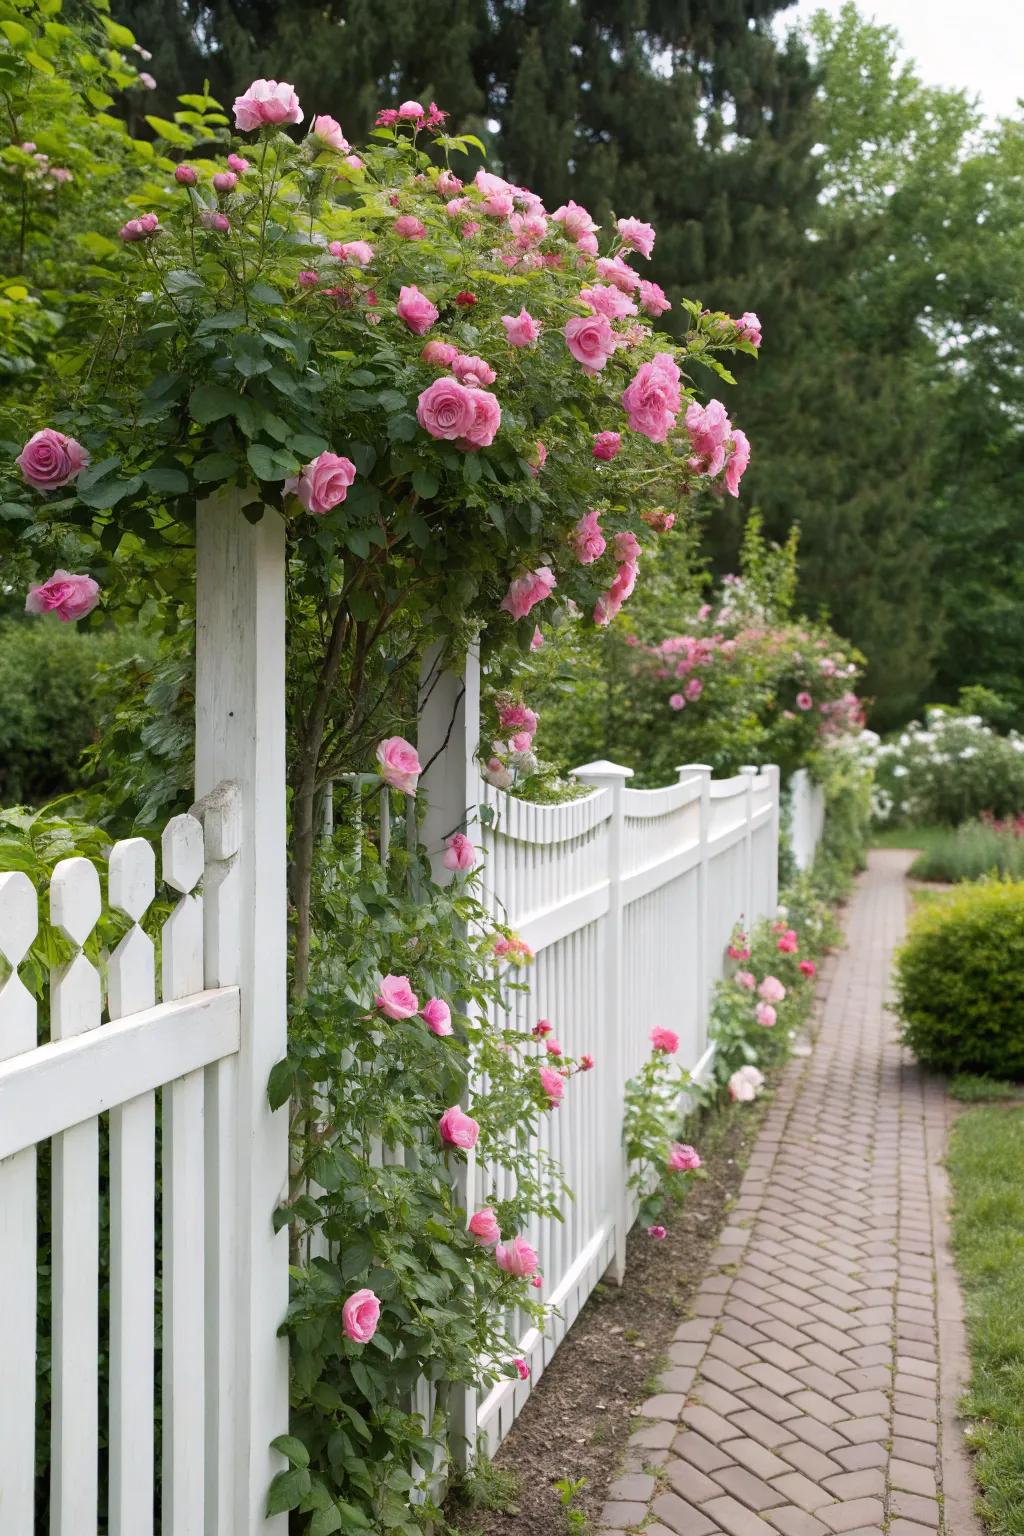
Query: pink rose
{"x": 527, "y": 591}
{"x": 522, "y": 330}
{"x": 398, "y": 764}
{"x": 458, "y": 1129}
{"x": 540, "y": 458}
{"x": 739, "y": 458}
{"x": 439, "y": 354}
{"x": 185, "y": 176}
{"x": 683, "y": 1159}
{"x": 627, "y": 546}
{"x": 591, "y": 341}
{"x": 50, "y": 459}
{"x": 574, "y": 219}
{"x": 605, "y": 299}
{"x": 586, "y": 1062}
{"x": 636, "y": 236}
{"x": 745, "y": 1084}
{"x": 356, "y": 253}
{"x": 408, "y": 227}
{"x": 694, "y": 689}
{"x": 787, "y": 944}
{"x": 416, "y": 309}
{"x": 586, "y": 245}
{"x": 553, "y": 1084}
{"x": 437, "y": 1016}
{"x": 804, "y": 701}
{"x": 765, "y": 1015}
{"x": 676, "y": 701}
{"x": 472, "y": 371}
{"x": 446, "y": 409}
{"x": 142, "y": 228}
{"x": 518, "y": 717}
{"x": 69, "y": 597}
{"x": 538, "y": 638}
{"x": 323, "y": 482}
{"x": 328, "y": 131}
{"x": 225, "y": 181}
{"x": 745, "y": 979}
{"x": 807, "y": 968}
{"x": 614, "y": 270}
{"x": 486, "y": 420}
{"x": 652, "y": 399}
{"x": 607, "y": 445}
{"x": 541, "y": 1028}
{"x": 587, "y": 540}
{"x": 664, "y": 1040}
{"x": 470, "y": 228}
{"x": 238, "y": 163}
{"x": 146, "y": 79}
{"x": 354, "y": 162}
{"x": 360, "y": 1316}
{"x": 652, "y": 298}
{"x": 411, "y": 109}
{"x": 459, "y": 853}
{"x": 516, "y": 1258}
{"x": 267, "y": 102}
{"x": 658, "y": 1233}
{"x": 484, "y": 1226}
{"x": 448, "y": 183}
{"x": 396, "y": 999}
{"x": 216, "y": 221}
{"x": 306, "y": 280}
{"x": 609, "y": 603}
{"x": 708, "y": 426}
{"x": 772, "y": 990}
{"x": 749, "y": 327}
{"x": 522, "y": 1369}
{"x": 552, "y": 1046}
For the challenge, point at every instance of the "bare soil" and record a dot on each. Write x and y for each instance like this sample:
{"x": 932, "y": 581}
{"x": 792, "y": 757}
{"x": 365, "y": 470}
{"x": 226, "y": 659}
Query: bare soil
{"x": 578, "y": 1418}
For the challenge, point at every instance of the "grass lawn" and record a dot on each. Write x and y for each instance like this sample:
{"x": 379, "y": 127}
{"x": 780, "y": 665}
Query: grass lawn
{"x": 924, "y": 838}
{"x": 986, "y": 1165}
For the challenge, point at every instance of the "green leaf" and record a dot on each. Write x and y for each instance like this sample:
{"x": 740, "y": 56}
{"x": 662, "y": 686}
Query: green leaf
{"x": 425, "y": 484}
{"x": 224, "y": 320}
{"x": 170, "y": 132}
{"x": 215, "y": 466}
{"x": 15, "y": 33}
{"x": 174, "y": 481}
{"x": 107, "y": 493}
{"x": 358, "y": 543}
{"x": 293, "y": 1448}
{"x": 325, "y": 1521}
{"x": 306, "y": 445}
{"x": 212, "y": 402}
{"x": 264, "y": 294}
{"x": 288, "y": 1490}
{"x": 180, "y": 281}
{"x": 271, "y": 463}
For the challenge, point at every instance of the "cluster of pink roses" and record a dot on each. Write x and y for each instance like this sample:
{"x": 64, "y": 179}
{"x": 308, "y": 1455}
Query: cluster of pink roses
{"x": 516, "y": 1257}
{"x": 514, "y": 754}
{"x": 717, "y": 444}
{"x": 397, "y": 1000}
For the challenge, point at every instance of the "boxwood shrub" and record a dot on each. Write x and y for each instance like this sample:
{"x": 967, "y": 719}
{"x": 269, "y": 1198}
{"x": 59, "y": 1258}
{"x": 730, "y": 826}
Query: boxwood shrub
{"x": 960, "y": 981}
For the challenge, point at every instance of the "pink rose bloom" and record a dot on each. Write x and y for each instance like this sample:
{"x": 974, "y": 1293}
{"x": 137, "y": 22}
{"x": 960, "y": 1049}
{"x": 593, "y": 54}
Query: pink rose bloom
{"x": 676, "y": 701}
{"x": 518, "y": 717}
{"x": 586, "y": 245}
{"x": 614, "y": 270}
{"x": 652, "y": 399}
{"x": 627, "y": 546}
{"x": 408, "y": 227}
{"x": 553, "y": 1084}
{"x": 415, "y": 309}
{"x": 448, "y": 183}
{"x": 587, "y": 540}
{"x": 804, "y": 701}
{"x": 459, "y": 853}
{"x": 527, "y": 591}
{"x": 225, "y": 181}
{"x": 694, "y": 689}
{"x": 652, "y": 298}
{"x": 357, "y": 253}
{"x": 529, "y": 228}
{"x": 323, "y": 482}
{"x": 516, "y": 1258}
{"x": 574, "y": 219}
{"x": 486, "y": 420}
{"x": 682, "y": 1158}
{"x": 396, "y": 998}
{"x": 540, "y": 458}
{"x": 807, "y": 968}
{"x": 787, "y": 944}
{"x": 437, "y": 1016}
{"x": 458, "y": 1129}
{"x": 484, "y": 1226}
{"x": 541, "y": 1028}
{"x": 739, "y": 458}
{"x": 354, "y": 162}
{"x": 708, "y": 426}
{"x": 439, "y": 354}
{"x": 607, "y": 445}
{"x": 185, "y": 176}
{"x": 664, "y": 1040}
{"x": 360, "y": 1316}
{"x": 50, "y": 459}
{"x": 658, "y": 1233}
{"x": 328, "y": 131}
{"x": 609, "y": 603}
{"x": 139, "y": 229}
{"x": 470, "y": 228}
{"x": 238, "y": 163}
{"x": 765, "y": 1015}
{"x": 522, "y": 1369}
{"x": 446, "y": 409}
{"x": 146, "y": 79}
{"x": 552, "y": 1047}
{"x": 472, "y": 371}
{"x": 522, "y": 330}
{"x": 267, "y": 103}
{"x": 69, "y": 597}
{"x": 745, "y": 1084}
{"x": 495, "y": 772}
{"x": 637, "y": 236}
{"x": 749, "y": 327}
{"x": 607, "y": 300}
{"x": 538, "y": 638}
{"x": 398, "y": 764}
{"x": 216, "y": 221}
{"x": 586, "y": 1062}
{"x": 772, "y": 990}
{"x": 591, "y": 341}
{"x": 745, "y": 979}
{"x": 411, "y": 109}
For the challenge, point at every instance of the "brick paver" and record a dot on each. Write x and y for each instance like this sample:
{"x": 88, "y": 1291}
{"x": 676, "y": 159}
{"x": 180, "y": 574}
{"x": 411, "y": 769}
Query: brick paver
{"x": 813, "y": 1407}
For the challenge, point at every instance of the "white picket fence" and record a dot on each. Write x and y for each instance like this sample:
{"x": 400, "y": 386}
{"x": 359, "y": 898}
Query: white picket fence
{"x": 806, "y": 817}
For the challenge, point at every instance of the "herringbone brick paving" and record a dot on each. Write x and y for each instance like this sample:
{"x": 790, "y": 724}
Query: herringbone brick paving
{"x": 802, "y": 1397}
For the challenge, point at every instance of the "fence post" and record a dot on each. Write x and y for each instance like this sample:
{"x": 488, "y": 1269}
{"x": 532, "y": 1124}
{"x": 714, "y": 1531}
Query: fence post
{"x": 702, "y": 771}
{"x": 612, "y": 776}
{"x": 774, "y": 773}
{"x": 749, "y": 772}
{"x": 240, "y": 736}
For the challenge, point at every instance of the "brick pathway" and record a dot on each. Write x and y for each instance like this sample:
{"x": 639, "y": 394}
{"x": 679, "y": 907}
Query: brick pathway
{"x": 802, "y": 1394}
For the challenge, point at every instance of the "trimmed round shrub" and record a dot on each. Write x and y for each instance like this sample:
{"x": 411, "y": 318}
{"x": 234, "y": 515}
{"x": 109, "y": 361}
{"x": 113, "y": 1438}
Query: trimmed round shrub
{"x": 960, "y": 981}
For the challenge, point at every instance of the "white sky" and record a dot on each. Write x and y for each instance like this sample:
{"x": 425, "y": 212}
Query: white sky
{"x": 978, "y": 45}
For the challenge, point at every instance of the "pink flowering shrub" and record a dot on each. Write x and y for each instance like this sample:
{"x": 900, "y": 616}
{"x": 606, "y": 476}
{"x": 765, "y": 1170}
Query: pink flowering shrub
{"x": 658, "y": 1163}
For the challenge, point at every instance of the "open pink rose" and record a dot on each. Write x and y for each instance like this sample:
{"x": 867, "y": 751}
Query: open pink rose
{"x": 739, "y": 458}
{"x": 787, "y": 944}
{"x": 683, "y": 1159}
{"x": 416, "y": 309}
{"x": 745, "y": 1084}
{"x": 609, "y": 603}
{"x": 518, "y": 717}
{"x": 745, "y": 979}
{"x": 398, "y": 764}
{"x": 522, "y": 1369}
{"x": 439, "y": 354}
{"x": 458, "y": 1129}
{"x": 804, "y": 702}
{"x": 765, "y": 1015}
{"x": 355, "y": 253}
{"x": 652, "y": 298}
{"x": 771, "y": 990}
{"x": 409, "y": 227}
{"x": 437, "y": 1016}
{"x": 553, "y": 1084}
{"x": 527, "y": 591}
{"x": 709, "y": 427}
{"x": 446, "y": 409}
{"x": 472, "y": 371}
{"x": 591, "y": 341}
{"x": 522, "y": 330}
{"x": 328, "y": 131}
{"x": 574, "y": 219}
{"x": 459, "y": 853}
{"x": 627, "y": 546}
{"x": 267, "y": 103}
{"x": 396, "y": 998}
{"x": 323, "y": 482}
{"x": 605, "y": 299}
{"x": 69, "y": 597}
{"x": 586, "y": 1062}
{"x": 807, "y": 968}
{"x": 749, "y": 327}
{"x": 516, "y": 1258}
{"x": 664, "y": 1040}
{"x": 360, "y": 1316}
{"x": 637, "y": 236}
{"x": 652, "y": 399}
{"x": 540, "y": 458}
{"x": 614, "y": 270}
{"x": 486, "y": 420}
{"x": 225, "y": 181}
{"x": 658, "y": 1232}
{"x": 238, "y": 163}
{"x": 50, "y": 459}
{"x": 694, "y": 689}
{"x": 587, "y": 540}
{"x": 676, "y": 701}
{"x": 607, "y": 445}
{"x": 484, "y": 1226}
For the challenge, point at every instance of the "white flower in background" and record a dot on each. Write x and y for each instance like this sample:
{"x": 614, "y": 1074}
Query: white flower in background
{"x": 900, "y": 771}
{"x": 969, "y": 752}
